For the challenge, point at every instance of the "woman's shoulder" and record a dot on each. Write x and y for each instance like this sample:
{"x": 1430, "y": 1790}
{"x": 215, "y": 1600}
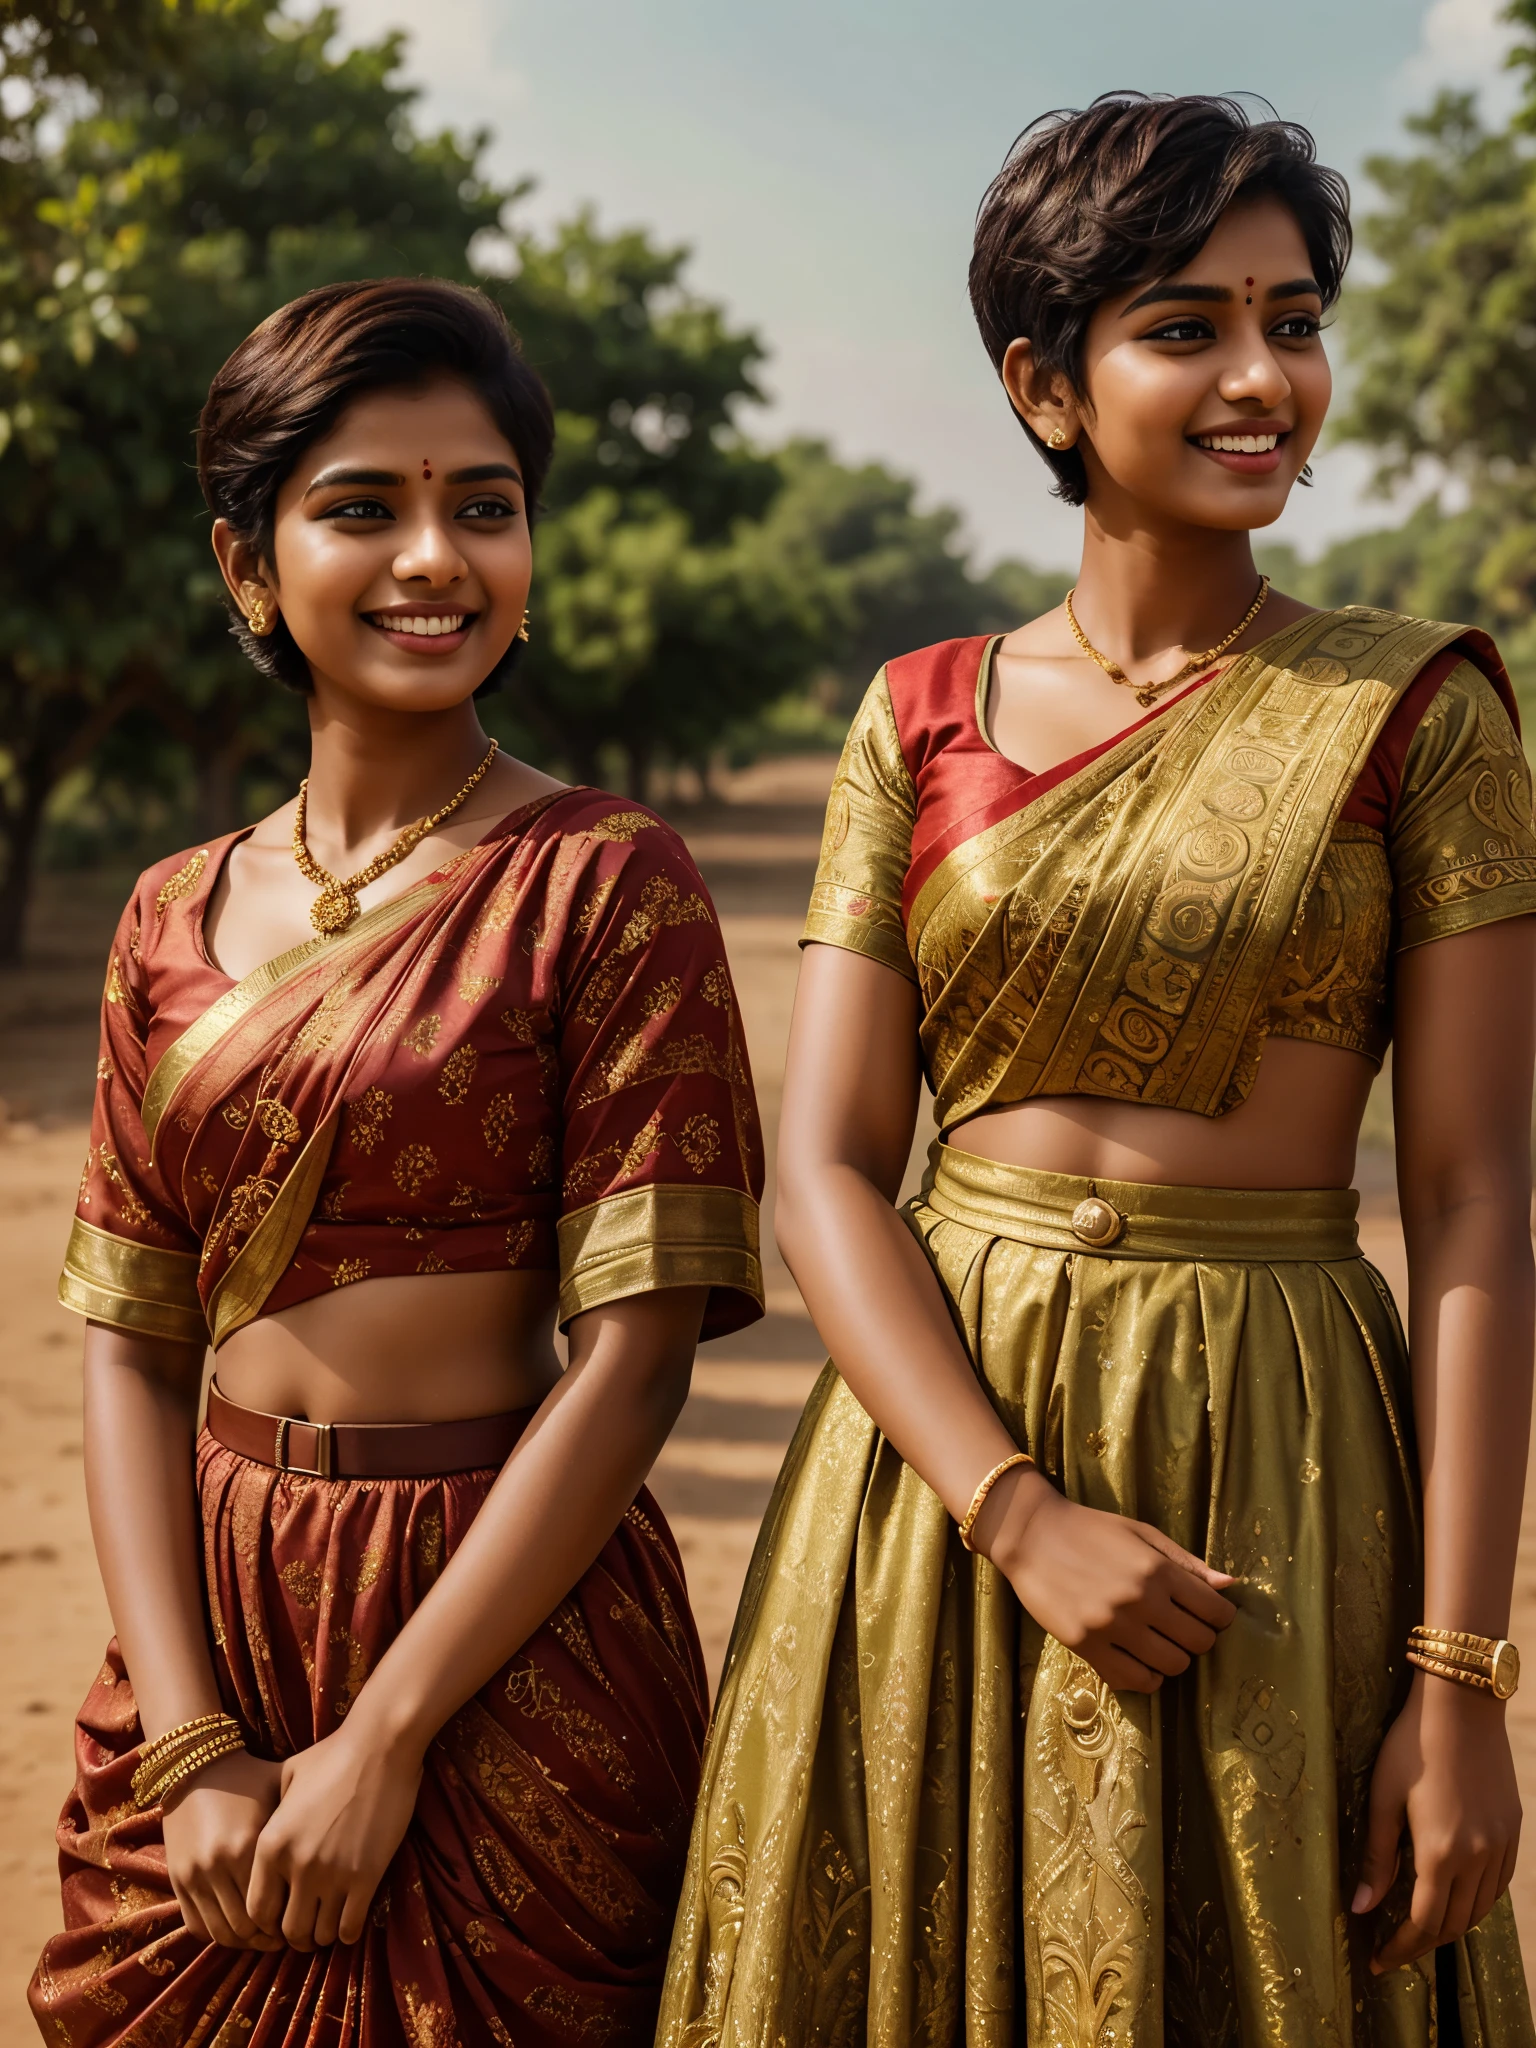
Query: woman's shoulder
{"x": 177, "y": 879}
{"x": 616, "y": 838}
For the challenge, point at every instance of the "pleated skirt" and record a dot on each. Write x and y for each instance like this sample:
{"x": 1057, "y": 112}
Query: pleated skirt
{"x": 924, "y": 1821}
{"x": 531, "y": 1900}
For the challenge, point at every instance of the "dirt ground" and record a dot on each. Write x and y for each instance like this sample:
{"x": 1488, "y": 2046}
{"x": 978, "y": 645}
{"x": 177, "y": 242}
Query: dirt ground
{"x": 758, "y": 852}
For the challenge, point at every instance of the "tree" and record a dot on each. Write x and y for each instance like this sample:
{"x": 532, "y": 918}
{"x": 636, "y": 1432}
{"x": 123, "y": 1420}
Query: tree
{"x": 189, "y": 197}
{"x": 895, "y": 577}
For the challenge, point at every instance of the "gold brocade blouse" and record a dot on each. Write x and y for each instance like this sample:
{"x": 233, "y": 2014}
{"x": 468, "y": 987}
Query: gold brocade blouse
{"x": 1244, "y": 862}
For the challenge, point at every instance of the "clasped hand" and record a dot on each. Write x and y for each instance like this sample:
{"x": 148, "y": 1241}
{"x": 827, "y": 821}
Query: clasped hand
{"x": 1127, "y": 1599}
{"x": 265, "y": 1855}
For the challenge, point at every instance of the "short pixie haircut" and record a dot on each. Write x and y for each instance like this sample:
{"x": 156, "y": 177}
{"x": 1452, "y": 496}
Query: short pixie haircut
{"x": 287, "y": 385}
{"x": 1127, "y": 190}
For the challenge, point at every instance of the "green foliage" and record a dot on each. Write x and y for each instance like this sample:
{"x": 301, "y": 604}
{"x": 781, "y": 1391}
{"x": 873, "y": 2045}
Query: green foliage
{"x": 893, "y": 577}
{"x": 171, "y": 171}
{"x": 1443, "y": 354}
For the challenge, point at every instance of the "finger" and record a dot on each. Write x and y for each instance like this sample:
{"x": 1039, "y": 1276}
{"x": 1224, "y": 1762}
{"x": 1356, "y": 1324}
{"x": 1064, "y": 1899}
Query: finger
{"x": 266, "y": 1895}
{"x": 1122, "y": 1672}
{"x": 299, "y": 1914}
{"x": 1152, "y": 1649}
{"x": 211, "y": 1913}
{"x": 191, "y": 1918}
{"x": 1507, "y": 1873}
{"x": 1181, "y": 1627}
{"x": 232, "y": 1905}
{"x": 1383, "y": 1847}
{"x": 354, "y": 1914}
{"x": 1420, "y": 1932}
{"x": 1196, "y": 1598}
{"x": 1489, "y": 1887}
{"x": 332, "y": 1897}
{"x": 1196, "y": 1567}
{"x": 1460, "y": 1904}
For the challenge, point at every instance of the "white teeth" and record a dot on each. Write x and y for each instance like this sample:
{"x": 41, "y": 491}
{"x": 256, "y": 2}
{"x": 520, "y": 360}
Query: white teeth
{"x": 1240, "y": 444}
{"x": 430, "y": 625}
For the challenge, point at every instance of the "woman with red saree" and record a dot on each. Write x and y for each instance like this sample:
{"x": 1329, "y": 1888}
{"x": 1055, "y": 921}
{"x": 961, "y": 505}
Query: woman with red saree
{"x": 398, "y": 1740}
{"x": 1122, "y": 1659}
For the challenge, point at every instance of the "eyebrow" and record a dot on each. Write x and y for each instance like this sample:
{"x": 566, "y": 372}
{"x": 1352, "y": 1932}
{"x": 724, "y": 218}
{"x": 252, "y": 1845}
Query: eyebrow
{"x": 480, "y": 473}
{"x": 484, "y": 473}
{"x": 329, "y": 477}
{"x": 1219, "y": 294}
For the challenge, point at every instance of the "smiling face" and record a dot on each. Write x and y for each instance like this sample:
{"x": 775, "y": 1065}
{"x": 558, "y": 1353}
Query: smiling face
{"x": 1203, "y": 394}
{"x": 400, "y": 555}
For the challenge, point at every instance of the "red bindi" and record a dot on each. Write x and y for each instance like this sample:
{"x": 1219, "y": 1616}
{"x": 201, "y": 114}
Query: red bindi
{"x": 426, "y": 468}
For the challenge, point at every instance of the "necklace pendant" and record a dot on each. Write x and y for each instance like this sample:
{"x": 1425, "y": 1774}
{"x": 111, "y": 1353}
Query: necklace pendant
{"x": 1146, "y": 698}
{"x": 333, "y": 910}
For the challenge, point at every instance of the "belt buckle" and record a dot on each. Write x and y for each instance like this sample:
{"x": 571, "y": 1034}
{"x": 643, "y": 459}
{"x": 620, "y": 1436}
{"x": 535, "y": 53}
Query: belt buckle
{"x": 325, "y": 1440}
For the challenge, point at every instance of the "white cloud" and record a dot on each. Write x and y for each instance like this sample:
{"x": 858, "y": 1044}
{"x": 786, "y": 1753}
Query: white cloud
{"x": 451, "y": 51}
{"x": 1462, "y": 43}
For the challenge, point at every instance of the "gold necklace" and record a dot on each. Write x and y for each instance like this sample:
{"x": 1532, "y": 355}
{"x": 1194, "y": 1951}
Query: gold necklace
{"x": 336, "y": 905}
{"x": 1148, "y": 693}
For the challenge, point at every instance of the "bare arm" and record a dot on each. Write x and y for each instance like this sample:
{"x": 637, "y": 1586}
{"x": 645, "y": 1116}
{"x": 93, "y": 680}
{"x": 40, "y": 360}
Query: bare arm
{"x": 140, "y": 1415}
{"x": 1129, "y": 1600}
{"x": 347, "y": 1801}
{"x": 1466, "y": 1038}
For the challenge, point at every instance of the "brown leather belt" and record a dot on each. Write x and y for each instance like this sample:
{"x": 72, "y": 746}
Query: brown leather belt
{"x": 364, "y": 1450}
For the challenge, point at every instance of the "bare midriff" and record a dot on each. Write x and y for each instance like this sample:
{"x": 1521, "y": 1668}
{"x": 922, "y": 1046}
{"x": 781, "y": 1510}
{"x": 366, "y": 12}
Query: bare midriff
{"x": 414, "y": 1348}
{"x": 1298, "y": 1128}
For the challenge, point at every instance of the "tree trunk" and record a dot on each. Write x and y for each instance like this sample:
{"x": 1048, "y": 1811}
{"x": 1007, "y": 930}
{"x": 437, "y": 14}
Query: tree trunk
{"x": 66, "y": 728}
{"x": 638, "y": 755}
{"x": 20, "y": 829}
{"x": 218, "y": 786}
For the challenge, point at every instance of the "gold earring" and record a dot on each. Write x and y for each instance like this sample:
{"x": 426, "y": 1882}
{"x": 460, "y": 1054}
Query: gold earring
{"x": 1058, "y": 439}
{"x": 522, "y": 631}
{"x": 256, "y": 610}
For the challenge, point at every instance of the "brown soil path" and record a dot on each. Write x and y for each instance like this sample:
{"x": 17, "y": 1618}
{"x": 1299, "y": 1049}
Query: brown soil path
{"x": 714, "y": 1477}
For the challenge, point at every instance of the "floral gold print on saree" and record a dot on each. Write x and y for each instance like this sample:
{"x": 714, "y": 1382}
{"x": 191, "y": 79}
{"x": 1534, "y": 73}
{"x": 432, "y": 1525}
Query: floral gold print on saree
{"x": 274, "y": 1237}
{"x": 200, "y": 1038}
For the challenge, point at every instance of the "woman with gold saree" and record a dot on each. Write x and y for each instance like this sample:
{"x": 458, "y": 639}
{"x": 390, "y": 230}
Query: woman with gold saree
{"x": 1123, "y": 1655}
{"x": 398, "y": 1740}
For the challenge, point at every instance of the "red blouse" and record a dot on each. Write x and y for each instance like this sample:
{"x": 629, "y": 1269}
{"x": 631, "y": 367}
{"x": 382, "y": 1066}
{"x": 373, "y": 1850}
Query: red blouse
{"x": 553, "y": 1033}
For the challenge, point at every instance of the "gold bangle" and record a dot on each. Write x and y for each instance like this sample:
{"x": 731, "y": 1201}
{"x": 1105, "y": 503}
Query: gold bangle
{"x": 979, "y": 1497}
{"x": 153, "y": 1792}
{"x": 1488, "y": 1663}
{"x": 180, "y": 1751}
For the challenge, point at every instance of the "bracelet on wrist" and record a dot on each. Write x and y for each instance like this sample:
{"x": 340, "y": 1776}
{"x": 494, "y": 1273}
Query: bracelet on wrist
{"x": 1487, "y": 1663}
{"x": 979, "y": 1497}
{"x": 180, "y": 1753}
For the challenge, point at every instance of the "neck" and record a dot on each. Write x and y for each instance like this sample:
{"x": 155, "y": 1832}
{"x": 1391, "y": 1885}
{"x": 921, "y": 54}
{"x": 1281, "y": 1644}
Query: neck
{"x": 1143, "y": 592}
{"x": 373, "y": 772}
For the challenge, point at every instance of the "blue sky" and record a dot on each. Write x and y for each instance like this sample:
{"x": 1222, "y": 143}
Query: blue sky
{"x": 824, "y": 159}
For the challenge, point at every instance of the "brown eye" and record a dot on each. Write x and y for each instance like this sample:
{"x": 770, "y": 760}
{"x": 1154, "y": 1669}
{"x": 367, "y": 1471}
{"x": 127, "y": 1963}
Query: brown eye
{"x": 1188, "y": 328}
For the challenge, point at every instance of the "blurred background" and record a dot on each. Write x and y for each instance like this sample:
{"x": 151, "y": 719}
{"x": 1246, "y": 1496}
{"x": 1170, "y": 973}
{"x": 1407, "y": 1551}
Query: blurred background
{"x": 734, "y": 242}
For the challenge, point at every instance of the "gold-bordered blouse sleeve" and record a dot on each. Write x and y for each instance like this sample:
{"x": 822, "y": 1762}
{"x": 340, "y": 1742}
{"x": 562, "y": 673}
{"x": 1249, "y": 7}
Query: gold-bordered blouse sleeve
{"x": 662, "y": 1159}
{"x": 132, "y": 1259}
{"x": 866, "y": 845}
{"x": 1462, "y": 847}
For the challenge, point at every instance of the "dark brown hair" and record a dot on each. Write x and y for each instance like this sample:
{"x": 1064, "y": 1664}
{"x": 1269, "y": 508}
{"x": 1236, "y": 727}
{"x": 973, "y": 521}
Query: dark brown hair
{"x": 287, "y": 385}
{"x": 1090, "y": 203}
